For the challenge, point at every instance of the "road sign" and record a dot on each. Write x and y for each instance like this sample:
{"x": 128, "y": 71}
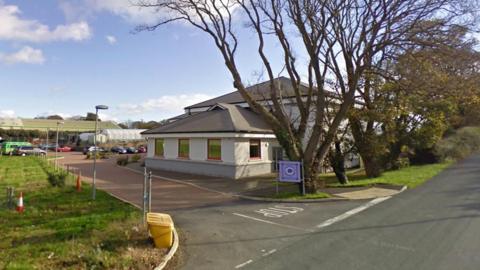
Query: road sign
{"x": 290, "y": 171}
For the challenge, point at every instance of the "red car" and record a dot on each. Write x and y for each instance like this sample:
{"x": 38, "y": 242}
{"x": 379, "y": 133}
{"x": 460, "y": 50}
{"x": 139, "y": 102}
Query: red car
{"x": 142, "y": 149}
{"x": 64, "y": 149}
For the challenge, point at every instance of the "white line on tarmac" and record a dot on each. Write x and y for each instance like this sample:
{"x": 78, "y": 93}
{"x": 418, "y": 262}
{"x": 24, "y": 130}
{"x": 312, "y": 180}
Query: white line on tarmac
{"x": 269, "y": 253}
{"x": 352, "y": 212}
{"x": 243, "y": 264}
{"x": 271, "y": 222}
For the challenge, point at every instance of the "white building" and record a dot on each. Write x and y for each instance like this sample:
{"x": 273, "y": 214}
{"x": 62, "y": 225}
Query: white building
{"x": 225, "y": 140}
{"x": 242, "y": 144}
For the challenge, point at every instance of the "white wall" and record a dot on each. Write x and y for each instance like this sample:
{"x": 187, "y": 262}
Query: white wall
{"x": 151, "y": 147}
{"x": 242, "y": 151}
{"x": 228, "y": 150}
{"x": 234, "y": 150}
{"x": 170, "y": 148}
{"x": 198, "y": 149}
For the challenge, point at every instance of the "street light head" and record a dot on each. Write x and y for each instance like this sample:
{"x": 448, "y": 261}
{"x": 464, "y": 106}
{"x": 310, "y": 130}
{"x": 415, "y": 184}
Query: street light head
{"x": 101, "y": 107}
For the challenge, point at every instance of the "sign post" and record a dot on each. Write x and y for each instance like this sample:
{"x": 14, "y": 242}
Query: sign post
{"x": 144, "y": 194}
{"x": 291, "y": 172}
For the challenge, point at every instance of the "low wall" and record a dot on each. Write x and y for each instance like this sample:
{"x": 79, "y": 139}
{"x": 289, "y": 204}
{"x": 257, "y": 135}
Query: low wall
{"x": 217, "y": 169}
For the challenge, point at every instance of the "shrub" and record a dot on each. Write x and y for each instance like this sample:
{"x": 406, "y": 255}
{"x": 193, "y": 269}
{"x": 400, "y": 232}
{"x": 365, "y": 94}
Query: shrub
{"x": 461, "y": 144}
{"x": 57, "y": 178}
{"x": 401, "y": 162}
{"x": 100, "y": 155}
{"x": 122, "y": 160}
{"x": 136, "y": 158}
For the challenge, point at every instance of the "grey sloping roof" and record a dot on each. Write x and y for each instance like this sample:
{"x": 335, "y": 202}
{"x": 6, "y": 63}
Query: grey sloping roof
{"x": 259, "y": 92}
{"x": 219, "y": 118}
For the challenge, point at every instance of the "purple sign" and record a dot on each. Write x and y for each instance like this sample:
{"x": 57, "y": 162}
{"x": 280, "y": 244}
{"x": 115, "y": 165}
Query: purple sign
{"x": 290, "y": 171}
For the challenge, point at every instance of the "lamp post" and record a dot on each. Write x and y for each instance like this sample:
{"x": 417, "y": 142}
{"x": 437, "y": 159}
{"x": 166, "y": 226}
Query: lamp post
{"x": 56, "y": 145}
{"x": 98, "y": 107}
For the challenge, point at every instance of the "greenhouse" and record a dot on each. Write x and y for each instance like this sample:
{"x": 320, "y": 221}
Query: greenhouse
{"x": 122, "y": 134}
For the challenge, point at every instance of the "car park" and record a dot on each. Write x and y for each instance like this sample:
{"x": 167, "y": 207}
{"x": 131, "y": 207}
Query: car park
{"x": 132, "y": 150}
{"x": 28, "y": 150}
{"x": 91, "y": 149}
{"x": 118, "y": 149}
{"x": 64, "y": 148}
{"x": 50, "y": 147}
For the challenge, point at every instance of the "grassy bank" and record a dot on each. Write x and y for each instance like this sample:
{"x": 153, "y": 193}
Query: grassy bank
{"x": 411, "y": 176}
{"x": 62, "y": 228}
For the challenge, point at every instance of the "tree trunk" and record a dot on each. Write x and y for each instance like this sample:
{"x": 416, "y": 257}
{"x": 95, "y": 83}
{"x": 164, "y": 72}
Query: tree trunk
{"x": 337, "y": 161}
{"x": 373, "y": 167}
{"x": 369, "y": 147}
{"x": 310, "y": 178}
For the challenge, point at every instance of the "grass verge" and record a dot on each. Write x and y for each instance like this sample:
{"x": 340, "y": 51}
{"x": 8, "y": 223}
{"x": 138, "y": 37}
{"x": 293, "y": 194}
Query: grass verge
{"x": 64, "y": 229}
{"x": 296, "y": 196}
{"x": 411, "y": 176}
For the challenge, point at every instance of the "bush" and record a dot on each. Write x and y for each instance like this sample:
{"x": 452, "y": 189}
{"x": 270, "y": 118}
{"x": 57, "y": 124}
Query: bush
{"x": 57, "y": 178}
{"x": 401, "y": 162}
{"x": 136, "y": 158}
{"x": 461, "y": 144}
{"x": 122, "y": 160}
{"x": 100, "y": 155}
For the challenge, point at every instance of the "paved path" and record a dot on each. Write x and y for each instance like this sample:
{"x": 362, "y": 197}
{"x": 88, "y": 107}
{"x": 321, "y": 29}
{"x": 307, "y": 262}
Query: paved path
{"x": 433, "y": 227}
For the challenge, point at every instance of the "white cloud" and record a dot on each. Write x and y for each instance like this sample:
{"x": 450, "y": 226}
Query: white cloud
{"x": 169, "y": 104}
{"x": 7, "y": 113}
{"x": 126, "y": 9}
{"x": 111, "y": 39}
{"x": 14, "y": 28}
{"x": 27, "y": 55}
{"x": 107, "y": 117}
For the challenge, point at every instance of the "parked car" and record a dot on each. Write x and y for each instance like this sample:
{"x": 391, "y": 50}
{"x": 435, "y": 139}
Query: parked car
{"x": 142, "y": 149}
{"x": 118, "y": 149}
{"x": 50, "y": 147}
{"x": 132, "y": 150}
{"x": 92, "y": 149}
{"x": 64, "y": 148}
{"x": 28, "y": 150}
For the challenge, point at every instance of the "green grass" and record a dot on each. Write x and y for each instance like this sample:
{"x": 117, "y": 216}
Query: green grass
{"x": 410, "y": 176}
{"x": 62, "y": 228}
{"x": 297, "y": 196}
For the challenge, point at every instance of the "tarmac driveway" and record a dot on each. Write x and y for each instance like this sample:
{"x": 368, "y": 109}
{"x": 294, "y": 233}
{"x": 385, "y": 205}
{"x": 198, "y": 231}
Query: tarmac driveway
{"x": 128, "y": 185}
{"x": 217, "y": 230}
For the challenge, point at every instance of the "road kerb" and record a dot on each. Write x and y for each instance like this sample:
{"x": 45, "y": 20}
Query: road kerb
{"x": 253, "y": 198}
{"x": 171, "y": 252}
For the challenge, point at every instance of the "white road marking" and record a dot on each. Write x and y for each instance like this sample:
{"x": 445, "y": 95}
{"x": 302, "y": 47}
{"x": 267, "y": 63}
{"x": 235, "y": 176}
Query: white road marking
{"x": 243, "y": 264}
{"x": 278, "y": 211}
{"x": 269, "y": 253}
{"x": 289, "y": 209}
{"x": 271, "y": 222}
{"x": 352, "y": 212}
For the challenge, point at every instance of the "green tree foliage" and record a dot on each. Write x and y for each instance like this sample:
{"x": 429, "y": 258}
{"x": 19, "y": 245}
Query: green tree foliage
{"x": 428, "y": 90}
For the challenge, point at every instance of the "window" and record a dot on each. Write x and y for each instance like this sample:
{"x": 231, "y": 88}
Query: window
{"x": 214, "y": 149}
{"x": 255, "y": 151}
{"x": 159, "y": 147}
{"x": 183, "y": 148}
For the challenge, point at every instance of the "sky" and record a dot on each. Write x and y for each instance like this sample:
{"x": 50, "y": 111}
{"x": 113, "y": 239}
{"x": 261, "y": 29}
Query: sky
{"x": 64, "y": 57}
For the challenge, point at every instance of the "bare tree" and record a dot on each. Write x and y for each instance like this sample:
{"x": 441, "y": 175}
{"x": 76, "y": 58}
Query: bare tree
{"x": 339, "y": 38}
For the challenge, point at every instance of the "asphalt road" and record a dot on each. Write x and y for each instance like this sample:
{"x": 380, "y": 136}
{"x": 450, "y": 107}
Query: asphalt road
{"x": 435, "y": 226}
